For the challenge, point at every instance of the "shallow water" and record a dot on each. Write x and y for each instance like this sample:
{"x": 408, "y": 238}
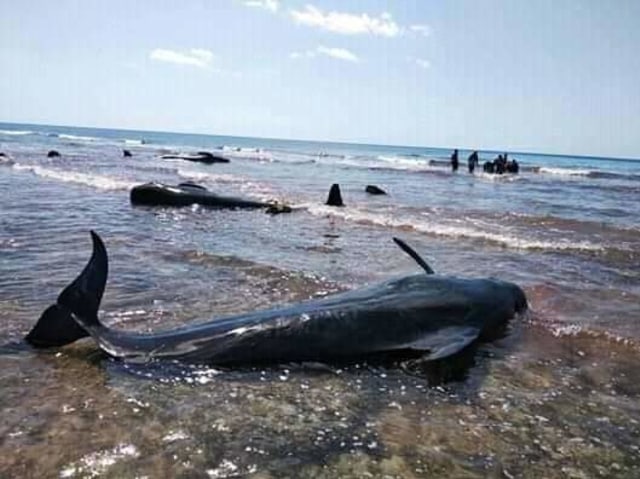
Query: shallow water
{"x": 557, "y": 397}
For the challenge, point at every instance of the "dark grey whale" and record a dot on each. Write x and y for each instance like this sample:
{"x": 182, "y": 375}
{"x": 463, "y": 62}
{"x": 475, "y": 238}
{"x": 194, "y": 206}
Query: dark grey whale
{"x": 200, "y": 157}
{"x": 185, "y": 194}
{"x": 425, "y": 314}
{"x": 374, "y": 190}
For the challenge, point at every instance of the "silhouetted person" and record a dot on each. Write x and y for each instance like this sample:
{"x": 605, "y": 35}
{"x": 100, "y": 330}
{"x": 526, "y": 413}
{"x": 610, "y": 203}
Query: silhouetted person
{"x": 488, "y": 167}
{"x": 454, "y": 160}
{"x": 53, "y": 154}
{"x": 473, "y": 161}
{"x": 126, "y": 153}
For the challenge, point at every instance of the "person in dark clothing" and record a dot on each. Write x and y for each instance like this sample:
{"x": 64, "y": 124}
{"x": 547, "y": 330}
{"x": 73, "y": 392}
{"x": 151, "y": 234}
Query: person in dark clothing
{"x": 488, "y": 167}
{"x": 473, "y": 161}
{"x": 454, "y": 160}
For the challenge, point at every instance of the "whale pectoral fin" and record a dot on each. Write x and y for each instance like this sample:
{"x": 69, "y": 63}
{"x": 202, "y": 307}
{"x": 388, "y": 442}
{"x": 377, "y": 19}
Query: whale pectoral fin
{"x": 445, "y": 342}
{"x": 416, "y": 257}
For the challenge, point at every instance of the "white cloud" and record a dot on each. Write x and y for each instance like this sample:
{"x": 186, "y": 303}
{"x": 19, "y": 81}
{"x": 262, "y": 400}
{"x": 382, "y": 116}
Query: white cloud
{"x": 420, "y": 62}
{"x": 337, "y": 53}
{"x": 270, "y": 5}
{"x": 196, "y": 57}
{"x": 423, "y": 30}
{"x": 347, "y": 23}
{"x": 298, "y": 55}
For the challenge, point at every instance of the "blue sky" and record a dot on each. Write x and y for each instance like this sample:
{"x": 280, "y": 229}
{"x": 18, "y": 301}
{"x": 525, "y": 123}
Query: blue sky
{"x": 547, "y": 76}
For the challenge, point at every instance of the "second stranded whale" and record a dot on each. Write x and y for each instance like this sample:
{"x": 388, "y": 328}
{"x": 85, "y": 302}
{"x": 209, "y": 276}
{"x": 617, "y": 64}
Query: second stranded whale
{"x": 425, "y": 314}
{"x": 185, "y": 194}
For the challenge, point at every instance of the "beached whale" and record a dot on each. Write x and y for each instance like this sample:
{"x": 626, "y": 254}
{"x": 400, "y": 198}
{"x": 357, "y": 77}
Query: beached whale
{"x": 374, "y": 190}
{"x": 185, "y": 194}
{"x": 425, "y": 314}
{"x": 200, "y": 157}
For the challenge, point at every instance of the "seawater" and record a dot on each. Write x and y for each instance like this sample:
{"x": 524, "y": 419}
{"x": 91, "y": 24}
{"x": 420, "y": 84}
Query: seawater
{"x": 558, "y": 397}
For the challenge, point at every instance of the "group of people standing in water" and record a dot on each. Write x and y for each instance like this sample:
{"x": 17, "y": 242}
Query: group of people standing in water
{"x": 501, "y": 164}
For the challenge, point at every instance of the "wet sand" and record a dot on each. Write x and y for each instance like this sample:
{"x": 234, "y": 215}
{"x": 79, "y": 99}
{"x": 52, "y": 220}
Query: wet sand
{"x": 530, "y": 405}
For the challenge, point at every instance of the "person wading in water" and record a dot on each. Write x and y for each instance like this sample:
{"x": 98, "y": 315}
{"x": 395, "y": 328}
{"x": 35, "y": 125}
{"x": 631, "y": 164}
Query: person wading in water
{"x": 454, "y": 160}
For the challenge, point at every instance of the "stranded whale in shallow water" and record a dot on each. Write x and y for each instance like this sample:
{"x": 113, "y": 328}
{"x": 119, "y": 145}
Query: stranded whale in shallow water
{"x": 185, "y": 194}
{"x": 200, "y": 157}
{"x": 424, "y": 314}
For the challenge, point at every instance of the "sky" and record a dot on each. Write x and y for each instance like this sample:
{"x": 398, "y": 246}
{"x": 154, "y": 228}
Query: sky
{"x": 544, "y": 76}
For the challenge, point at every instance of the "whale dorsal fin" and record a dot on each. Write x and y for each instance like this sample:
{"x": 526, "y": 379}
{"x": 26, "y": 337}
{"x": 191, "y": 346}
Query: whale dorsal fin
{"x": 411, "y": 252}
{"x": 335, "y": 198}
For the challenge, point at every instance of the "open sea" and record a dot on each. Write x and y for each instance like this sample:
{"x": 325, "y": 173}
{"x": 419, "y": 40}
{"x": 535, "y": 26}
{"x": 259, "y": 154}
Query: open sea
{"x": 559, "y": 396}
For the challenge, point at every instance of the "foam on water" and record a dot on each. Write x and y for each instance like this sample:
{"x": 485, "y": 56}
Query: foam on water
{"x": 250, "y": 153}
{"x": 573, "y": 330}
{"x": 63, "y": 136}
{"x": 440, "y": 228}
{"x": 507, "y": 177}
{"x": 389, "y": 162}
{"x": 402, "y": 162}
{"x": 210, "y": 177}
{"x": 93, "y": 180}
{"x": 244, "y": 184}
{"x": 16, "y": 132}
{"x": 564, "y": 171}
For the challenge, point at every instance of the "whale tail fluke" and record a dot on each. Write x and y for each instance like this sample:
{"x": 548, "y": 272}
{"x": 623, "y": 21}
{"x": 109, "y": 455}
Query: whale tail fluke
{"x": 76, "y": 311}
{"x": 56, "y": 327}
{"x": 335, "y": 198}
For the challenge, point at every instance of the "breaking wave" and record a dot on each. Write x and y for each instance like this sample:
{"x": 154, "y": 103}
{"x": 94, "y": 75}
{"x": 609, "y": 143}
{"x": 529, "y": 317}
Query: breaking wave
{"x": 96, "y": 181}
{"x": 261, "y": 190}
{"x": 63, "y": 136}
{"x": 563, "y": 171}
{"x": 16, "y": 132}
{"x": 439, "y": 228}
{"x": 585, "y": 173}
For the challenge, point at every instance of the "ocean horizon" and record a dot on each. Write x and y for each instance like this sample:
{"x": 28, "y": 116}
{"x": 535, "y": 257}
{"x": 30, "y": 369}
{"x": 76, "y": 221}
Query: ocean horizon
{"x": 11, "y": 127}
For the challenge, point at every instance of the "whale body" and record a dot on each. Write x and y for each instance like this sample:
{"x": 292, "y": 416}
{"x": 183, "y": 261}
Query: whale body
{"x": 185, "y": 194}
{"x": 199, "y": 157}
{"x": 424, "y": 314}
